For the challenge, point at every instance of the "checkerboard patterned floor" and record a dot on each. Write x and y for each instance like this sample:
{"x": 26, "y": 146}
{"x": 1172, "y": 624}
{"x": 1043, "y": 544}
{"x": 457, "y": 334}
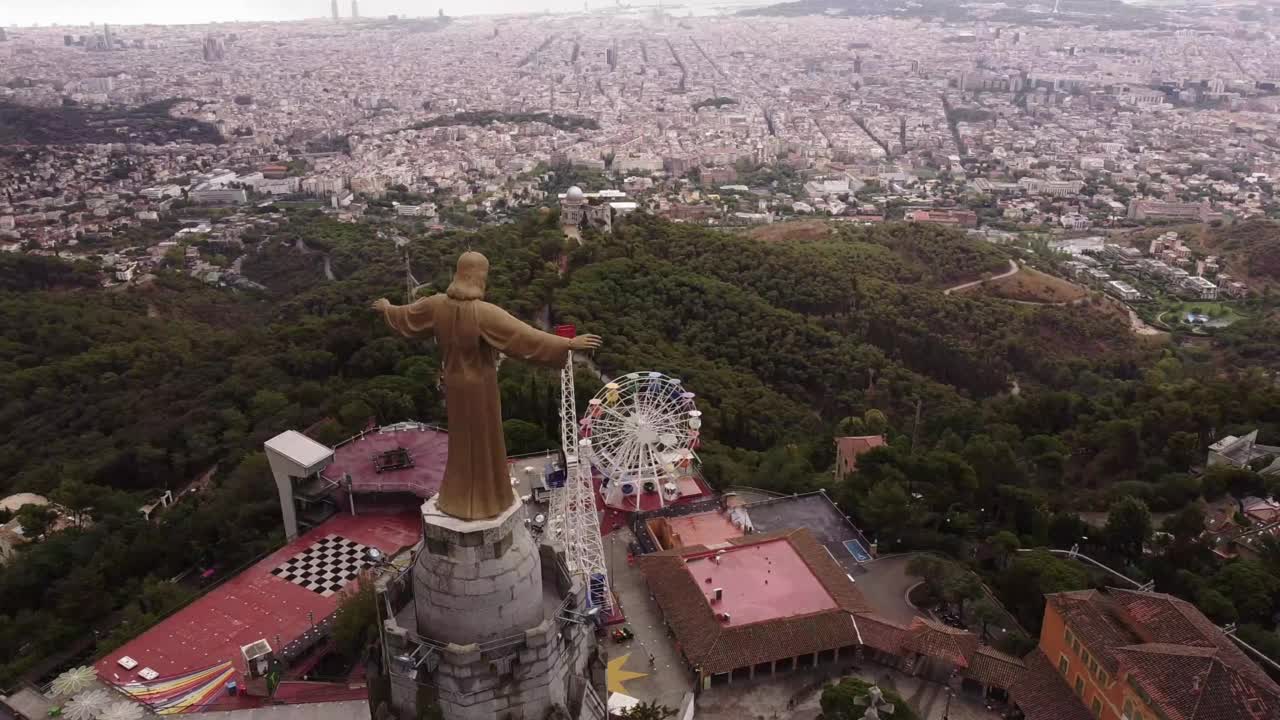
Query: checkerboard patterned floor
{"x": 326, "y": 566}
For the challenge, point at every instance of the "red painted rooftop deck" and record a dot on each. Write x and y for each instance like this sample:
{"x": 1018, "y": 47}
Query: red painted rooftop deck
{"x": 428, "y": 446}
{"x": 706, "y": 528}
{"x": 763, "y": 581}
{"x": 252, "y": 605}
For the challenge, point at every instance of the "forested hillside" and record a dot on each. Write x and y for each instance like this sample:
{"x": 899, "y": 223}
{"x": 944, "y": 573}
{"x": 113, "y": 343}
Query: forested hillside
{"x": 109, "y": 395}
{"x": 772, "y": 332}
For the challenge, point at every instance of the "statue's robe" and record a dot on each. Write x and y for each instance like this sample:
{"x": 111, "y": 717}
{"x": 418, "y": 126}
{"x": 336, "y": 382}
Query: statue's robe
{"x": 471, "y": 333}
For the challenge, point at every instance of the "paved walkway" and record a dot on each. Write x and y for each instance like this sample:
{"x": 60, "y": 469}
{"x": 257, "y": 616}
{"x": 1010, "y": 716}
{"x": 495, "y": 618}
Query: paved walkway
{"x": 884, "y": 584}
{"x": 667, "y": 680}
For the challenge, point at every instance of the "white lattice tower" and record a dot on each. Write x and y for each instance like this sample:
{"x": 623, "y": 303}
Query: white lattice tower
{"x": 568, "y": 443}
{"x": 584, "y": 548}
{"x": 568, "y": 411}
{"x": 574, "y": 521}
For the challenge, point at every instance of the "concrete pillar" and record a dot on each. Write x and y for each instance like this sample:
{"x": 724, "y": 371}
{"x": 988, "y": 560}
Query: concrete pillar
{"x": 293, "y": 455}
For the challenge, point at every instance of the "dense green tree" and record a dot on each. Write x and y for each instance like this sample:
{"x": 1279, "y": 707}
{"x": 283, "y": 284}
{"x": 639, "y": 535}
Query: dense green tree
{"x": 1253, "y": 590}
{"x": 1005, "y": 545}
{"x": 76, "y": 496}
{"x": 933, "y": 570}
{"x": 524, "y": 437}
{"x": 1128, "y": 526}
{"x": 984, "y": 612}
{"x": 357, "y": 620}
{"x": 887, "y": 508}
{"x": 1221, "y": 480}
{"x": 875, "y": 422}
{"x": 35, "y": 519}
{"x": 1183, "y": 449}
{"x": 1030, "y": 576}
{"x": 1216, "y": 606}
{"x": 648, "y": 710}
{"x": 1266, "y": 641}
{"x": 962, "y": 587}
{"x": 848, "y": 700}
{"x": 1066, "y": 529}
{"x": 1186, "y": 525}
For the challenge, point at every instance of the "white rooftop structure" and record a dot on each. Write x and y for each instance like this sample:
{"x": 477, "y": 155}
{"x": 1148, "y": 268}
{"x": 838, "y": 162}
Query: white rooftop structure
{"x": 291, "y": 456}
{"x": 298, "y": 449}
{"x": 620, "y": 703}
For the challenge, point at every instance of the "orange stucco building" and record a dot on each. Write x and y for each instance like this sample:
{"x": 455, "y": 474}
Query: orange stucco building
{"x": 1086, "y": 672}
{"x": 1128, "y": 655}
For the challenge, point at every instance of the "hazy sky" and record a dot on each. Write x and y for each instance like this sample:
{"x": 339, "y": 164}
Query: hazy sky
{"x": 127, "y": 12}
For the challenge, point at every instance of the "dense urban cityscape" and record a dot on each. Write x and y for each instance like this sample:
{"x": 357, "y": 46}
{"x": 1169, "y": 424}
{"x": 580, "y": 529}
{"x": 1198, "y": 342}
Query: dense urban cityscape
{"x": 958, "y": 322}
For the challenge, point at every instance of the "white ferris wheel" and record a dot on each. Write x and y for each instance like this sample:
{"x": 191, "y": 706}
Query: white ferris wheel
{"x": 643, "y": 430}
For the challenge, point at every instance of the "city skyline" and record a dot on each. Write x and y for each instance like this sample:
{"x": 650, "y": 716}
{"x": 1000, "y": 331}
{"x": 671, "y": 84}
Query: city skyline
{"x": 79, "y": 13}
{"x": 975, "y": 307}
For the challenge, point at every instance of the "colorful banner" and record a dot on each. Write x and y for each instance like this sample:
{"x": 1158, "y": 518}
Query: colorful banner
{"x": 191, "y": 692}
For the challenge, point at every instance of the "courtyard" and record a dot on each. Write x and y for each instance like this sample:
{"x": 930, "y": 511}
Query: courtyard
{"x": 796, "y": 695}
{"x": 884, "y": 584}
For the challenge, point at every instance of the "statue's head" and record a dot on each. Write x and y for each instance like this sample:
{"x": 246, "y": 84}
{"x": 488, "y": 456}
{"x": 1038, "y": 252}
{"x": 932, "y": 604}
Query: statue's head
{"x": 470, "y": 278}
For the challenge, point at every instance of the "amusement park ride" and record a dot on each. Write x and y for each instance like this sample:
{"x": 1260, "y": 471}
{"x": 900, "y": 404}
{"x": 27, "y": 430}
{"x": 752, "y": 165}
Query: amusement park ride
{"x": 640, "y": 433}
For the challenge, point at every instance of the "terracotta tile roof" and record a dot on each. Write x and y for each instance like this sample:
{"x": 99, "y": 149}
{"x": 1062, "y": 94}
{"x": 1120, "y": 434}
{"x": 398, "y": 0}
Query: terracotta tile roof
{"x": 715, "y": 648}
{"x": 1166, "y": 646}
{"x": 881, "y": 634}
{"x": 1161, "y": 618}
{"x": 992, "y": 667}
{"x": 1089, "y": 616}
{"x": 1168, "y": 619}
{"x": 1042, "y": 694}
{"x": 1193, "y": 683}
{"x": 849, "y": 448}
{"x": 942, "y": 642}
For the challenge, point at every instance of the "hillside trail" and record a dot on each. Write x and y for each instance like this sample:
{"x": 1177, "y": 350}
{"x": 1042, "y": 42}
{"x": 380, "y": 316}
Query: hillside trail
{"x": 1013, "y": 268}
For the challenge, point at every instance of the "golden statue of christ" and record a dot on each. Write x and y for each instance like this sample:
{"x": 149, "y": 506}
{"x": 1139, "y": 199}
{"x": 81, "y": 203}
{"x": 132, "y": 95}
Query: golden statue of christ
{"x": 471, "y": 333}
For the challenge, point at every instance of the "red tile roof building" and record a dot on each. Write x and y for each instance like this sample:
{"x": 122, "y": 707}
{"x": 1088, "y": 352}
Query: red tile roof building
{"x": 934, "y": 640}
{"x": 776, "y": 601}
{"x": 708, "y": 636}
{"x": 849, "y": 448}
{"x": 1139, "y": 656}
{"x": 954, "y": 218}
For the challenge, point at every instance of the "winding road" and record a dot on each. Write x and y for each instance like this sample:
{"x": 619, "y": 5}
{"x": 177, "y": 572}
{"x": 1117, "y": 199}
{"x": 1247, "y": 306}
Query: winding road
{"x": 301, "y": 246}
{"x": 1013, "y": 268}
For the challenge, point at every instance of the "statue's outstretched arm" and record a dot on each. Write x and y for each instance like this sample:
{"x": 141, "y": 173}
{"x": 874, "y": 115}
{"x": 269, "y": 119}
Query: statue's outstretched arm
{"x": 414, "y": 320}
{"x": 517, "y": 339}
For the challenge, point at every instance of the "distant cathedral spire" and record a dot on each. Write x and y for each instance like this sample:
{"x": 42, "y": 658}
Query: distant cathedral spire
{"x": 355, "y": 9}
{"x": 333, "y": 5}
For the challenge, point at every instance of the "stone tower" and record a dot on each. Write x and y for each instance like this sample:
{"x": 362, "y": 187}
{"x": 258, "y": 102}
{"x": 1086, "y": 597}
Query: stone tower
{"x": 489, "y": 625}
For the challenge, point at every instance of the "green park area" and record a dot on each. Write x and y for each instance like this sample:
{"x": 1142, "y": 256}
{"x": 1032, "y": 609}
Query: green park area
{"x": 1197, "y": 314}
